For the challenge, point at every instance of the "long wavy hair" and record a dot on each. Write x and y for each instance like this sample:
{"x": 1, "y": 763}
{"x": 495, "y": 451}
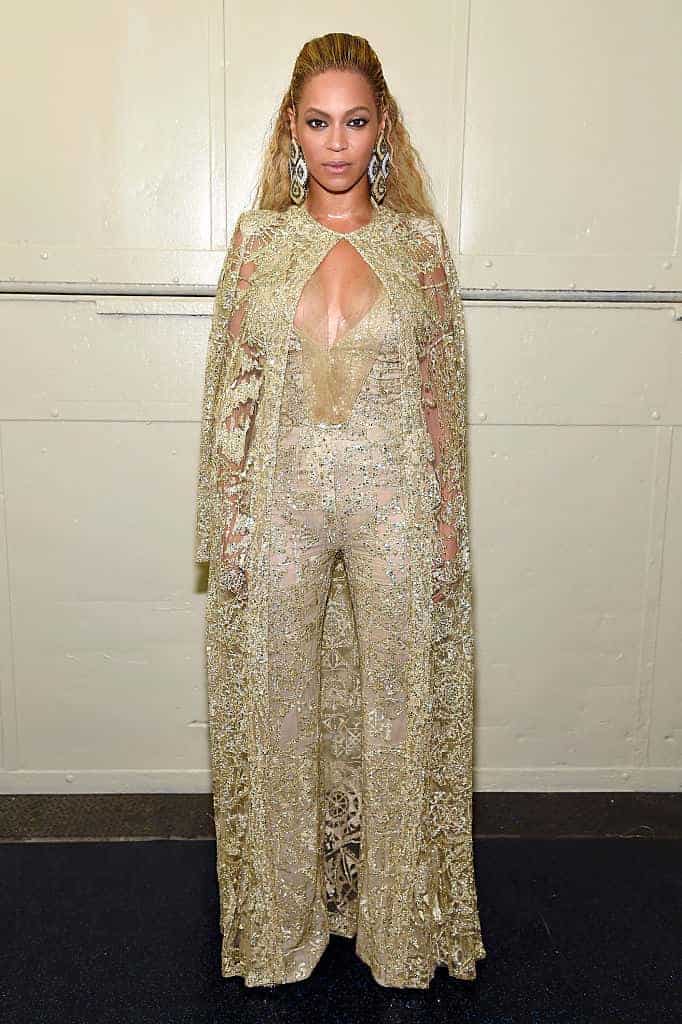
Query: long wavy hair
{"x": 409, "y": 188}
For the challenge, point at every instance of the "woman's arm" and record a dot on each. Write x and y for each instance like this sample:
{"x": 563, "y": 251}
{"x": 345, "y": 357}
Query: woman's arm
{"x": 232, "y": 382}
{"x": 442, "y": 363}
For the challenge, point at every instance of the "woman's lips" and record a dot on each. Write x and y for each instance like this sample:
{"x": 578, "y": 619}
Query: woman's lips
{"x": 337, "y": 168}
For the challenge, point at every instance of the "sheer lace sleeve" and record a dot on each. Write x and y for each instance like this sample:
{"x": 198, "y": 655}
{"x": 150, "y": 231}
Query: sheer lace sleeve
{"x": 231, "y": 386}
{"x": 442, "y": 363}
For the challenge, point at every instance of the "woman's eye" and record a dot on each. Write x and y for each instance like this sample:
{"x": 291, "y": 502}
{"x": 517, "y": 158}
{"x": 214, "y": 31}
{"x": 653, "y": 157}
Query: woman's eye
{"x": 314, "y": 121}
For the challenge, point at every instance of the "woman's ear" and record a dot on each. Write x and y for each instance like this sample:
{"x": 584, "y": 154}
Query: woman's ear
{"x": 292, "y": 122}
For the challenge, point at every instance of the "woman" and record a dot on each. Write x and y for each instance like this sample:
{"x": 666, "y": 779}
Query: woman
{"x": 332, "y": 511}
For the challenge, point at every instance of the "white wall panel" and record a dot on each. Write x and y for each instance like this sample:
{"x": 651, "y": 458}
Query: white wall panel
{"x": 572, "y": 127}
{"x": 560, "y": 591}
{"x": 7, "y": 687}
{"x": 114, "y": 118}
{"x": 577, "y": 363}
{"x": 117, "y": 358}
{"x": 112, "y": 124}
{"x": 664, "y": 710}
{"x": 107, "y": 627}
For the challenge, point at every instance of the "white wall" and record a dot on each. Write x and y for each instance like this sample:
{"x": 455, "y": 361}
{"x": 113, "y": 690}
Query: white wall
{"x": 131, "y": 135}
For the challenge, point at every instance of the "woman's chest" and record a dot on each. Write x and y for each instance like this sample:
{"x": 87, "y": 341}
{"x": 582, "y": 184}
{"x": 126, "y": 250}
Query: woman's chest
{"x": 299, "y": 293}
{"x": 356, "y": 382}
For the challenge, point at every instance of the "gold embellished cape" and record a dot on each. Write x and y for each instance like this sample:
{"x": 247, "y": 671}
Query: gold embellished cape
{"x": 434, "y": 907}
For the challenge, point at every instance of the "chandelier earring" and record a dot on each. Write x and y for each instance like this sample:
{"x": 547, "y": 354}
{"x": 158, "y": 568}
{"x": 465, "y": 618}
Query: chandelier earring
{"x": 298, "y": 173}
{"x": 378, "y": 169}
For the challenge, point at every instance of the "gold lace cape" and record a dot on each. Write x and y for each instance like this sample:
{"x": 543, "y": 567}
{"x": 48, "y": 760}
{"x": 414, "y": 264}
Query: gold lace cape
{"x": 435, "y": 907}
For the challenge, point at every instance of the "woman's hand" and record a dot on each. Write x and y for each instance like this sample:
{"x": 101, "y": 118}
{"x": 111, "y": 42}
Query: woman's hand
{"x": 233, "y": 551}
{"x": 443, "y": 566}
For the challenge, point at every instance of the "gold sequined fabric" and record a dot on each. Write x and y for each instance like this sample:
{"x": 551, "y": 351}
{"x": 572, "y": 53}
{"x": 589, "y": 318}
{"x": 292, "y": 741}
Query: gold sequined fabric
{"x": 333, "y": 376}
{"x": 340, "y": 692}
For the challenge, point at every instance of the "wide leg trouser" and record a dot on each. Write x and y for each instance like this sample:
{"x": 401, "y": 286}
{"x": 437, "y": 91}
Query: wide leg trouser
{"x": 334, "y": 493}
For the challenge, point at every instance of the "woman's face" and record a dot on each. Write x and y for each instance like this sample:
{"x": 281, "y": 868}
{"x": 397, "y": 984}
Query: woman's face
{"x": 337, "y": 124}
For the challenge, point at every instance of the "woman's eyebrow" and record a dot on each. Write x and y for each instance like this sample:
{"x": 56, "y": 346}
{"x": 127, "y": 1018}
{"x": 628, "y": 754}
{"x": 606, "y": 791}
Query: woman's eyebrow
{"x": 316, "y": 110}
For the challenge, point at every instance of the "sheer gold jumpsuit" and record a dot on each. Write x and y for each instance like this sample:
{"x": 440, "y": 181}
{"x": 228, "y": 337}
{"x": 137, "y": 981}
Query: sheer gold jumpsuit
{"x": 331, "y": 760}
{"x": 337, "y": 492}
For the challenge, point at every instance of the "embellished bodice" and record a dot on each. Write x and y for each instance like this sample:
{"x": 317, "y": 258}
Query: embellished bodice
{"x": 352, "y": 384}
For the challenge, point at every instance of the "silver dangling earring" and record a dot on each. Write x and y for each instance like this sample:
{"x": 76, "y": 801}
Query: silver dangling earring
{"x": 378, "y": 169}
{"x": 298, "y": 173}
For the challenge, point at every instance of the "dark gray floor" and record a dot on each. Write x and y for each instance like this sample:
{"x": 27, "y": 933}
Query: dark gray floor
{"x": 586, "y": 930}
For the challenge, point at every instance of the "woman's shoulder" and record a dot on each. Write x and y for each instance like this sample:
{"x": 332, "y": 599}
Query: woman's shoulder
{"x": 426, "y": 226}
{"x": 423, "y": 238}
{"x": 254, "y": 222}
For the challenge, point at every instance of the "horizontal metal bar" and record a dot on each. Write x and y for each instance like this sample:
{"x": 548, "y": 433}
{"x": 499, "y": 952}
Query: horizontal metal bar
{"x": 468, "y": 294}
{"x": 566, "y": 295}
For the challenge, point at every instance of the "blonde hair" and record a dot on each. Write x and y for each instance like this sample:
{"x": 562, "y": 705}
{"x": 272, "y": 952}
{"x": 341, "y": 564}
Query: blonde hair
{"x": 409, "y": 188}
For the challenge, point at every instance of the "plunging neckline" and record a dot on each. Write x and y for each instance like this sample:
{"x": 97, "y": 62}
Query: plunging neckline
{"x": 328, "y": 349}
